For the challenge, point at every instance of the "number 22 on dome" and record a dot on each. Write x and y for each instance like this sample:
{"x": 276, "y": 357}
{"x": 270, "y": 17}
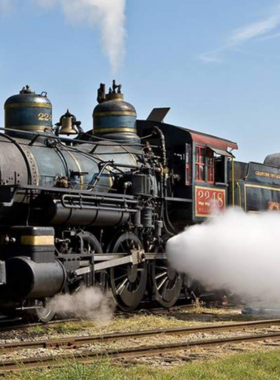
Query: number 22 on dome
{"x": 44, "y": 117}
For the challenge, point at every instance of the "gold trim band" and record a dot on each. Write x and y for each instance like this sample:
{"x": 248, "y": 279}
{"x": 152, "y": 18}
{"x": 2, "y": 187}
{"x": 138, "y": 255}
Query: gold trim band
{"x": 114, "y": 96}
{"x": 37, "y": 240}
{"x": 30, "y": 128}
{"x": 33, "y": 165}
{"x": 115, "y": 113}
{"x": 20, "y": 105}
{"x": 111, "y": 182}
{"x": 79, "y": 168}
{"x": 105, "y": 130}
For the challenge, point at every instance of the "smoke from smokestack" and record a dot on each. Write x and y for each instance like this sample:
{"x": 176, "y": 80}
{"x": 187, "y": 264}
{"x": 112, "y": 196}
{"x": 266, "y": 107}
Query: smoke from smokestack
{"x": 233, "y": 250}
{"x": 107, "y": 15}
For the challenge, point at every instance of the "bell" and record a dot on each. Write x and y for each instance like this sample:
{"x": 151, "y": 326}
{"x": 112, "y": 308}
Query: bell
{"x": 68, "y": 125}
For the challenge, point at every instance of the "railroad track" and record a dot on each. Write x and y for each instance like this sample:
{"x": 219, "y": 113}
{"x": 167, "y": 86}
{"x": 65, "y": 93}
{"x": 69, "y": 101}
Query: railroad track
{"x": 87, "y": 356}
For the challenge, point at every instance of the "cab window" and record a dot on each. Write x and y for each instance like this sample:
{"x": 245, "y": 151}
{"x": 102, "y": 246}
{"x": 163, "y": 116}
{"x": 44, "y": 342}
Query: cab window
{"x": 200, "y": 152}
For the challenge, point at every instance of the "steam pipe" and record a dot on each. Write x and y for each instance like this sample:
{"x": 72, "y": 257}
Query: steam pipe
{"x": 167, "y": 223}
{"x": 163, "y": 146}
{"x": 52, "y": 136}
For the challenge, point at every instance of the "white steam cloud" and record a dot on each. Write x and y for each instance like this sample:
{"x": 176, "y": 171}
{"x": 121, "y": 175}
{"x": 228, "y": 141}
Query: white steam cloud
{"x": 233, "y": 250}
{"x": 86, "y": 303}
{"x": 107, "y": 15}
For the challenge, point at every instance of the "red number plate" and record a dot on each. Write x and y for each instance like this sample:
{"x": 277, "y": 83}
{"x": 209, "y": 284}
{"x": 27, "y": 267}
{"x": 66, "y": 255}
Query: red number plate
{"x": 206, "y": 199}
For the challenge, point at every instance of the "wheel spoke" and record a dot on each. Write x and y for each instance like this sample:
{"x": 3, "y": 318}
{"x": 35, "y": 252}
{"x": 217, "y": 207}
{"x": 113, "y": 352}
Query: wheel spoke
{"x": 131, "y": 244}
{"x": 128, "y": 283}
{"x": 161, "y": 267}
{"x": 122, "y": 248}
{"x": 166, "y": 284}
{"x": 160, "y": 275}
{"x": 164, "y": 289}
{"x": 162, "y": 283}
{"x": 121, "y": 287}
{"x": 89, "y": 245}
{"x": 128, "y": 286}
{"x": 120, "y": 277}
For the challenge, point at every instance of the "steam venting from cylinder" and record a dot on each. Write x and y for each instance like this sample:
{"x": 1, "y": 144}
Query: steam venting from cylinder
{"x": 113, "y": 118}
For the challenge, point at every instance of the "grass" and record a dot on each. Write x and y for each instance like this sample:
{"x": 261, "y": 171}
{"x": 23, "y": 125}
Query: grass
{"x": 133, "y": 323}
{"x": 140, "y": 322}
{"x": 258, "y": 365}
{"x": 60, "y": 328}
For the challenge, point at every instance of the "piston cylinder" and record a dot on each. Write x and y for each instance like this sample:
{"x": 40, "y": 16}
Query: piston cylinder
{"x": 27, "y": 279}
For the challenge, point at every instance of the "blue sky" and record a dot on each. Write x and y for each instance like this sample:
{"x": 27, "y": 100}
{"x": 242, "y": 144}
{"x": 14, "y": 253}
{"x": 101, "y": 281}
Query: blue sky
{"x": 215, "y": 63}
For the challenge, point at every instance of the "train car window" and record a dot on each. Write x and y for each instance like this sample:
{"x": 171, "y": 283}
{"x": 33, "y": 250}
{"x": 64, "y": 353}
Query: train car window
{"x": 188, "y": 164}
{"x": 210, "y": 165}
{"x": 200, "y": 163}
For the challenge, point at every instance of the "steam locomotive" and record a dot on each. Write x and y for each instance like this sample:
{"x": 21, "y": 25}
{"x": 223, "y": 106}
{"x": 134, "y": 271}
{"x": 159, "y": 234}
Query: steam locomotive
{"x": 97, "y": 209}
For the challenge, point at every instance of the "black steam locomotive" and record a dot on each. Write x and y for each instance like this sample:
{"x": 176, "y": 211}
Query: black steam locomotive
{"x": 98, "y": 209}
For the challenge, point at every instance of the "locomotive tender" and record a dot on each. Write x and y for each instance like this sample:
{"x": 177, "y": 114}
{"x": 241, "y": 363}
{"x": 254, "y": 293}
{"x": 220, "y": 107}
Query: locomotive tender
{"x": 99, "y": 208}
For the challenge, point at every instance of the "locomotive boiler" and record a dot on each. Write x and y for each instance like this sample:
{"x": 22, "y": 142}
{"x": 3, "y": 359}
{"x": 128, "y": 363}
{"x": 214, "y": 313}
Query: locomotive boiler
{"x": 97, "y": 209}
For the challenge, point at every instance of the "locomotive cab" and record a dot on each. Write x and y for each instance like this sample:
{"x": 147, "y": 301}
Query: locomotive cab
{"x": 197, "y": 171}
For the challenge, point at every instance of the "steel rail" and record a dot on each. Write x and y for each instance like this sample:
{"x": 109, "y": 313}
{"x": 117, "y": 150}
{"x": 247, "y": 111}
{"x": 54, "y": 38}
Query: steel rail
{"x": 89, "y": 356}
{"x": 75, "y": 341}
